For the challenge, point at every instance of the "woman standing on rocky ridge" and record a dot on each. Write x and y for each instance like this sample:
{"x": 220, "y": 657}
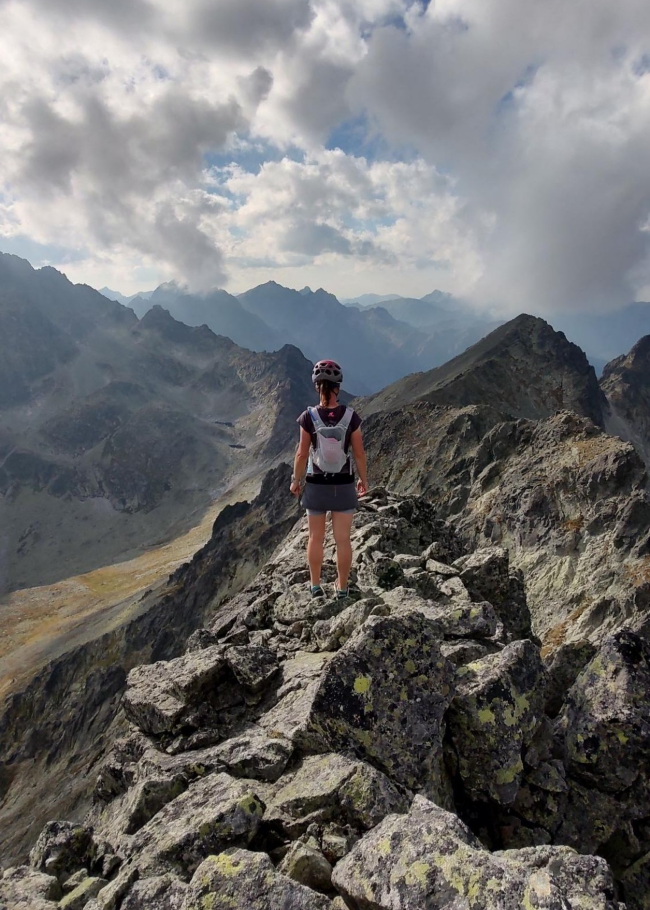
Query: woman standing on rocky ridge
{"x": 327, "y": 433}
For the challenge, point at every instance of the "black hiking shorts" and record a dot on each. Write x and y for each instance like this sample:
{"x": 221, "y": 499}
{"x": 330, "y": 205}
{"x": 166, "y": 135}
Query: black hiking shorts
{"x": 319, "y": 498}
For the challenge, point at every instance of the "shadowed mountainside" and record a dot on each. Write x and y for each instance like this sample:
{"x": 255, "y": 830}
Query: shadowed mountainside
{"x": 115, "y": 433}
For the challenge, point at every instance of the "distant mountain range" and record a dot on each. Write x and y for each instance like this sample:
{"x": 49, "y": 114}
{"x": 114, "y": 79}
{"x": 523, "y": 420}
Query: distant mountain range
{"x": 376, "y": 344}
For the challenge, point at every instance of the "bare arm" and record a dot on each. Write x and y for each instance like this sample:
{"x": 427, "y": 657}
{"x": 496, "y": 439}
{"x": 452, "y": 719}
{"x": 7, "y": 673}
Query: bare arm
{"x": 359, "y": 452}
{"x": 300, "y": 461}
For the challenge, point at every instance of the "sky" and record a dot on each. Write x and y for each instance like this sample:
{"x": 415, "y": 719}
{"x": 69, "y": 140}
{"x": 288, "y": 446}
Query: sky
{"x": 496, "y": 149}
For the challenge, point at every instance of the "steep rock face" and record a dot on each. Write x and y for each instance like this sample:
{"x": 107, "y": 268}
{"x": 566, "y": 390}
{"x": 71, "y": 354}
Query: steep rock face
{"x": 116, "y": 433}
{"x": 522, "y": 369}
{"x": 566, "y": 500}
{"x": 56, "y": 729}
{"x": 626, "y": 383}
{"x": 341, "y": 823}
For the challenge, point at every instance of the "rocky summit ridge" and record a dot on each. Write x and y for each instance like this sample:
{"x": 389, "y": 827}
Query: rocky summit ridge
{"x": 406, "y": 749}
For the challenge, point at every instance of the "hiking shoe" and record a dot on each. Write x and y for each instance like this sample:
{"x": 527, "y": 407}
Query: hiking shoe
{"x": 317, "y": 591}
{"x": 342, "y": 595}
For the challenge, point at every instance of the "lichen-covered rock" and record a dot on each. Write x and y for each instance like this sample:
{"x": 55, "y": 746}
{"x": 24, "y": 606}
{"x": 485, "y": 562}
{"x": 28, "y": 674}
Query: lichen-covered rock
{"x": 254, "y": 754}
{"x": 160, "y": 695}
{"x": 487, "y": 576}
{"x": 564, "y": 666}
{"x": 306, "y": 864}
{"x": 82, "y": 894}
{"x": 161, "y": 892}
{"x": 332, "y": 634}
{"x": 253, "y": 667}
{"x": 467, "y": 650}
{"x": 497, "y": 707}
{"x": 455, "y": 620}
{"x": 606, "y": 715}
{"x": 62, "y": 849}
{"x": 388, "y": 678}
{"x": 636, "y": 884}
{"x": 23, "y": 888}
{"x": 240, "y": 879}
{"x": 210, "y": 816}
{"x": 333, "y": 787}
{"x": 429, "y": 859}
{"x": 585, "y": 882}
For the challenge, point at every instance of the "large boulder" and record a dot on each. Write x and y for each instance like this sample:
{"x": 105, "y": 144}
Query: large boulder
{"x": 606, "y": 716}
{"x": 429, "y": 860}
{"x": 493, "y": 716}
{"x": 62, "y": 849}
{"x": 389, "y": 678}
{"x": 240, "y": 879}
{"x": 213, "y": 814}
{"x": 160, "y": 892}
{"x": 487, "y": 576}
{"x": 458, "y": 619}
{"x": 23, "y": 888}
{"x": 332, "y": 787}
{"x": 201, "y": 688}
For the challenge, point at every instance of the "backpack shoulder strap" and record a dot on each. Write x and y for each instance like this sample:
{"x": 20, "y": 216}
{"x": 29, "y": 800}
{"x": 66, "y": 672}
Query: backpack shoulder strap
{"x": 316, "y": 419}
{"x": 346, "y": 419}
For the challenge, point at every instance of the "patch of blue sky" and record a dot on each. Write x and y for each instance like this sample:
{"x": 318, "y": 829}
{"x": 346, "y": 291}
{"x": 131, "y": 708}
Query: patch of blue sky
{"x": 360, "y": 138}
{"x": 641, "y": 66}
{"x": 368, "y": 225}
{"x": 507, "y": 102}
{"x": 40, "y": 254}
{"x": 161, "y": 73}
{"x": 250, "y": 155}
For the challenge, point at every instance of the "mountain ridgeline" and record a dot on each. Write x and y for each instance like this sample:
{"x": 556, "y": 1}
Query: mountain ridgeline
{"x": 469, "y": 729}
{"x": 377, "y": 344}
{"x": 116, "y": 432}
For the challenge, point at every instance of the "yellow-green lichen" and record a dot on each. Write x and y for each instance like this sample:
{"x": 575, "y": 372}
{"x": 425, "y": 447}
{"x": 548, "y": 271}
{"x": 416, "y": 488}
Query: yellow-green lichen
{"x": 486, "y": 716}
{"x": 362, "y": 684}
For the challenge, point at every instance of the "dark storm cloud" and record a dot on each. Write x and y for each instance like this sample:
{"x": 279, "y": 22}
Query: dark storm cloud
{"x": 122, "y": 15}
{"x": 247, "y": 26}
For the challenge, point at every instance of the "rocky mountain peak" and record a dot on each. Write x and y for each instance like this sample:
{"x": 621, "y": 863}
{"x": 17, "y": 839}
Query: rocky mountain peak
{"x": 626, "y": 384}
{"x": 408, "y": 747}
{"x": 523, "y": 368}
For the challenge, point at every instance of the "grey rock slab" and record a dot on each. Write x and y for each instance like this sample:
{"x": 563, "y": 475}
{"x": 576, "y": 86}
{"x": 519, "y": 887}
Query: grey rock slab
{"x": 563, "y": 667}
{"x": 389, "y": 678}
{"x": 462, "y": 619}
{"x": 606, "y": 715}
{"x": 210, "y": 816}
{"x": 493, "y": 716}
{"x": 486, "y": 575}
{"x": 333, "y": 787}
{"x": 466, "y": 650}
{"x": 636, "y": 884}
{"x": 160, "y": 892}
{"x": 332, "y": 634}
{"x": 159, "y": 695}
{"x": 82, "y": 894}
{"x": 240, "y": 879}
{"x": 63, "y": 848}
{"x": 75, "y": 880}
{"x": 429, "y": 860}
{"x": 306, "y": 864}
{"x": 298, "y": 604}
{"x": 254, "y": 667}
{"x": 23, "y": 887}
{"x": 586, "y": 882}
{"x": 254, "y": 754}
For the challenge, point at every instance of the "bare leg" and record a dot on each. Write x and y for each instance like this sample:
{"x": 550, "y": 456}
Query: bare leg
{"x": 341, "y": 526}
{"x": 315, "y": 546}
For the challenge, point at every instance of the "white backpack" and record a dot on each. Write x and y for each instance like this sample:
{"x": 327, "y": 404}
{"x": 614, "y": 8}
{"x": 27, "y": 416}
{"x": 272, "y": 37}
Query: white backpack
{"x": 329, "y": 453}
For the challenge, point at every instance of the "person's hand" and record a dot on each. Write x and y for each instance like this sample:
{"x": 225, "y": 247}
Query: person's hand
{"x": 362, "y": 487}
{"x": 295, "y": 487}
